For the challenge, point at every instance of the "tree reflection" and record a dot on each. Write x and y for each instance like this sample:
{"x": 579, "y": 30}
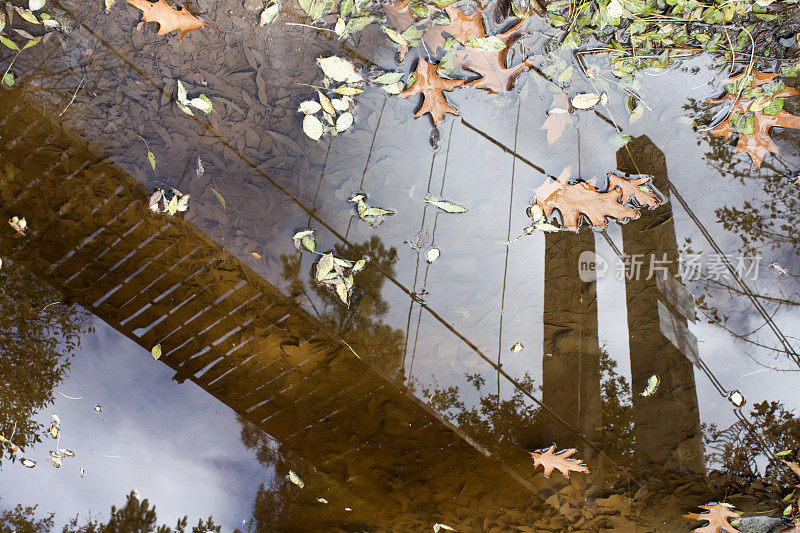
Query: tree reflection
{"x": 138, "y": 516}
{"x": 740, "y": 449}
{"x": 37, "y": 335}
{"x": 359, "y": 325}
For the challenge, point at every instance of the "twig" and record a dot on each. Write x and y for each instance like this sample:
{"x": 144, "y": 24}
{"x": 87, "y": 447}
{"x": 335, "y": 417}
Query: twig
{"x": 308, "y": 26}
{"x": 73, "y": 97}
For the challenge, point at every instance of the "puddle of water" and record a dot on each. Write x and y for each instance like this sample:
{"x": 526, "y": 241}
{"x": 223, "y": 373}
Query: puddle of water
{"x": 420, "y": 402}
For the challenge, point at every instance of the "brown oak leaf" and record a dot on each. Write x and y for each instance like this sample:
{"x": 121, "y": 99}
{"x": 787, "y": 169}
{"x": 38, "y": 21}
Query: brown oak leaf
{"x": 550, "y": 460}
{"x": 398, "y": 14}
{"x": 168, "y": 19}
{"x": 558, "y": 117}
{"x": 758, "y": 144}
{"x": 717, "y": 518}
{"x": 491, "y": 65}
{"x": 575, "y": 199}
{"x": 432, "y": 86}
{"x": 460, "y": 28}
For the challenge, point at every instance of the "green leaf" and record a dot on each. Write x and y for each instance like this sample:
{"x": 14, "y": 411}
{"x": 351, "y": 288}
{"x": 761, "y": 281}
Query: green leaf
{"x": 304, "y": 233}
{"x": 489, "y": 44}
{"x": 9, "y": 43}
{"x": 775, "y": 107}
{"x": 269, "y": 14}
{"x": 32, "y": 42}
{"x": 156, "y": 351}
{"x": 345, "y": 7}
{"x": 396, "y": 37}
{"x": 412, "y": 33}
{"x": 388, "y": 78}
{"x": 8, "y": 79}
{"x": 376, "y": 211}
{"x": 324, "y": 266}
{"x": 309, "y": 243}
{"x": 343, "y": 293}
{"x": 222, "y": 199}
{"x": 445, "y": 205}
{"x": 784, "y": 452}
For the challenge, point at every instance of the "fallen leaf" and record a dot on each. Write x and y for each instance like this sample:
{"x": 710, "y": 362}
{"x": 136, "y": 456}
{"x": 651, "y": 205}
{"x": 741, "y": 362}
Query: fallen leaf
{"x": 779, "y": 269}
{"x": 27, "y": 463}
{"x": 256, "y": 255}
{"x": 27, "y": 15}
{"x": 757, "y": 143}
{"x": 344, "y": 121}
{"x": 339, "y": 69}
{"x": 574, "y": 199}
{"x": 461, "y": 27}
{"x": 324, "y": 266}
{"x": 431, "y": 86}
{"x": 82, "y": 472}
{"x": 151, "y": 159}
{"x": 156, "y": 351}
{"x": 269, "y": 13}
{"x": 322, "y": 500}
{"x": 36, "y": 5}
{"x": 432, "y": 255}
{"x": 109, "y": 4}
{"x": 652, "y": 385}
{"x": 312, "y": 127}
{"x": 717, "y": 518}
{"x": 200, "y": 168}
{"x": 557, "y": 118}
{"x": 550, "y": 460}
{"x": 585, "y": 100}
{"x": 445, "y": 205}
{"x": 517, "y": 347}
{"x": 168, "y": 19}
{"x": 491, "y": 64}
{"x": 441, "y": 527}
{"x": 98, "y": 408}
{"x": 388, "y": 78}
{"x": 19, "y": 224}
{"x": 219, "y": 196}
{"x": 309, "y": 107}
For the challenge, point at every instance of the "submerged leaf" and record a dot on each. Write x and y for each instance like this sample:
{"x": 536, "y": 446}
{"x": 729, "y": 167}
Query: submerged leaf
{"x": 551, "y": 460}
{"x": 219, "y": 197}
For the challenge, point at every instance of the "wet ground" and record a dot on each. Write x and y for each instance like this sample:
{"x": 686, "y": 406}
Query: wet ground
{"x": 417, "y": 404}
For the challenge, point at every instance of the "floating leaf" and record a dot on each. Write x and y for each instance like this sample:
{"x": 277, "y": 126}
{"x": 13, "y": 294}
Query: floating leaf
{"x": 396, "y": 37}
{"x": 441, "y": 527}
{"x": 652, "y": 384}
{"x": 98, "y": 408}
{"x": 36, "y": 5}
{"x": 717, "y": 518}
{"x": 27, "y": 463}
{"x": 344, "y": 121}
{"x": 784, "y": 452}
{"x": 432, "y": 255}
{"x": 151, "y": 159}
{"x": 585, "y": 100}
{"x": 27, "y": 15}
{"x": 322, "y": 500}
{"x": 156, "y": 351}
{"x": 269, "y": 13}
{"x": 168, "y": 19}
{"x": 550, "y": 460}
{"x": 343, "y": 292}
{"x": 9, "y": 43}
{"x": 219, "y": 197}
{"x": 517, "y": 347}
{"x": 294, "y": 478}
{"x": 445, "y": 205}
{"x": 324, "y": 266}
{"x": 388, "y": 78}
{"x": 19, "y": 224}
{"x": 109, "y": 5}
{"x": 312, "y": 127}
{"x": 309, "y": 107}
{"x": 345, "y": 90}
{"x": 339, "y": 69}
